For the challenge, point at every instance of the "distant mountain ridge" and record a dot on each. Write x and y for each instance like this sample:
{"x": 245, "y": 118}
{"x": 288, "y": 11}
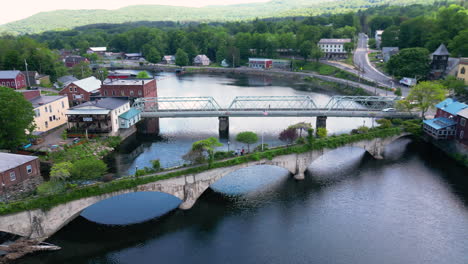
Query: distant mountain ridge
{"x": 68, "y": 19}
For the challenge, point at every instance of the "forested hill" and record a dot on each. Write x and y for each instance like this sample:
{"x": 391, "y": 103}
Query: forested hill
{"x": 68, "y": 19}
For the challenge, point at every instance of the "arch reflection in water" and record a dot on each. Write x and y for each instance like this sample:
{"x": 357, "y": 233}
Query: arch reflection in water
{"x": 336, "y": 164}
{"x": 251, "y": 180}
{"x": 131, "y": 208}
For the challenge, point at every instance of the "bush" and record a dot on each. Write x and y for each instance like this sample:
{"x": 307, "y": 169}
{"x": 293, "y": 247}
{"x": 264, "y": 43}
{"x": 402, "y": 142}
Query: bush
{"x": 156, "y": 165}
{"x": 61, "y": 171}
{"x": 300, "y": 141}
{"x": 259, "y": 148}
{"x": 50, "y": 187}
{"x": 113, "y": 142}
{"x": 89, "y": 168}
{"x": 362, "y": 129}
{"x": 64, "y": 134}
{"x": 218, "y": 155}
{"x": 322, "y": 132}
{"x": 384, "y": 123}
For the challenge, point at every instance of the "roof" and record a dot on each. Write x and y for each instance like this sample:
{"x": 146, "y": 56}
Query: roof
{"x": 67, "y": 79}
{"x": 463, "y": 113}
{"x": 98, "y": 49}
{"x": 10, "y": 161}
{"x": 108, "y": 103}
{"x": 440, "y": 123}
{"x": 91, "y": 111}
{"x": 30, "y": 73}
{"x": 108, "y": 82}
{"x": 389, "y": 49}
{"x": 43, "y": 100}
{"x": 334, "y": 41}
{"x": 441, "y": 51}
{"x": 451, "y": 106}
{"x": 88, "y": 84}
{"x": 201, "y": 57}
{"x": 379, "y": 32}
{"x": 260, "y": 59}
{"x": 133, "y": 54}
{"x": 169, "y": 57}
{"x": 9, "y": 74}
{"x": 130, "y": 114}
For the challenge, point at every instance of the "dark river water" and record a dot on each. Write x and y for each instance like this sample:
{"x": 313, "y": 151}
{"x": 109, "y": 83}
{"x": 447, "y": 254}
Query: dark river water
{"x": 411, "y": 207}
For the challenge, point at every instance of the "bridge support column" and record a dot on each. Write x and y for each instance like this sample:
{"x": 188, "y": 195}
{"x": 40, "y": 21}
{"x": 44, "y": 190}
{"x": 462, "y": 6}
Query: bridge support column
{"x": 321, "y": 122}
{"x": 149, "y": 126}
{"x": 224, "y": 127}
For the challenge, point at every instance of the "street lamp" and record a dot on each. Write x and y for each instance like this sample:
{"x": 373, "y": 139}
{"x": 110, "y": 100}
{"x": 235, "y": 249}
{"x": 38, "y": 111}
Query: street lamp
{"x": 229, "y": 142}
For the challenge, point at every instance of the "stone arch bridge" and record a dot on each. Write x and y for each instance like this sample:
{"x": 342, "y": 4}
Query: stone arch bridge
{"x": 39, "y": 224}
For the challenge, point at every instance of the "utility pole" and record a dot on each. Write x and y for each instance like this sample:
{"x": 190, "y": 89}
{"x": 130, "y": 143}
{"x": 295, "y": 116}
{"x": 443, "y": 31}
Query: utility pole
{"x": 27, "y": 73}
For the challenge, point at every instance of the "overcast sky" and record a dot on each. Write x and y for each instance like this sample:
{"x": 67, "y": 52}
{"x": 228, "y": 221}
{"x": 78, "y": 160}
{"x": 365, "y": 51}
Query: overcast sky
{"x": 15, "y": 10}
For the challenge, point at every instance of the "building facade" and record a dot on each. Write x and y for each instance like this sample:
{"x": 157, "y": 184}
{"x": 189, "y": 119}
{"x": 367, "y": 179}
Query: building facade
{"x": 462, "y": 73}
{"x": 388, "y": 52}
{"x": 201, "y": 60}
{"x": 439, "y": 62}
{"x": 378, "y": 38}
{"x": 13, "y": 79}
{"x": 260, "y": 63}
{"x": 462, "y": 127}
{"x": 81, "y": 91}
{"x": 447, "y": 123}
{"x": 15, "y": 169}
{"x": 168, "y": 59}
{"x": 334, "y": 48}
{"x": 129, "y": 88}
{"x": 97, "y": 117}
{"x": 73, "y": 60}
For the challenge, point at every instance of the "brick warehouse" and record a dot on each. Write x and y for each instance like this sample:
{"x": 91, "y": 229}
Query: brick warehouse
{"x": 129, "y": 88}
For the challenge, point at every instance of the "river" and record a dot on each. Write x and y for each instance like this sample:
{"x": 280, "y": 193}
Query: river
{"x": 411, "y": 207}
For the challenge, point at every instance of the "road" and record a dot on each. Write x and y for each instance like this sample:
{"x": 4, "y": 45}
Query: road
{"x": 361, "y": 60}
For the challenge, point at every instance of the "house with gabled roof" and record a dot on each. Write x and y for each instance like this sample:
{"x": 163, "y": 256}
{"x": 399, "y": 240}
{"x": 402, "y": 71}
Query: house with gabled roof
{"x": 446, "y": 122}
{"x": 81, "y": 91}
{"x": 13, "y": 79}
{"x": 201, "y": 60}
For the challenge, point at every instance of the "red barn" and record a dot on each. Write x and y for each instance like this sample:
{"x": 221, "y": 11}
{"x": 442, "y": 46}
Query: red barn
{"x": 13, "y": 79}
{"x": 130, "y": 88}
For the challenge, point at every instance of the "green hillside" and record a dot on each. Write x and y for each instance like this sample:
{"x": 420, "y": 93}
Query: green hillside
{"x": 67, "y": 19}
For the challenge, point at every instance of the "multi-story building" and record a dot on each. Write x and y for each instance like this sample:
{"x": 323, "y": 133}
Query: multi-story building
{"x": 378, "y": 38}
{"x": 462, "y": 127}
{"x": 447, "y": 122}
{"x": 103, "y": 117}
{"x": 49, "y": 111}
{"x": 462, "y": 73}
{"x": 15, "y": 169}
{"x": 13, "y": 79}
{"x": 81, "y": 91}
{"x": 439, "y": 62}
{"x": 334, "y": 48}
{"x": 129, "y": 88}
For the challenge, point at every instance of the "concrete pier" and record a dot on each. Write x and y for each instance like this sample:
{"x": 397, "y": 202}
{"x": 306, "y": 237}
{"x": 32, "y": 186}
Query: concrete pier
{"x": 223, "y": 127}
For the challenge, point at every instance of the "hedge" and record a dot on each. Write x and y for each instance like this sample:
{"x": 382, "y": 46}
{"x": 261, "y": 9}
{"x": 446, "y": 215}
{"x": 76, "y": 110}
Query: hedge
{"x": 49, "y": 201}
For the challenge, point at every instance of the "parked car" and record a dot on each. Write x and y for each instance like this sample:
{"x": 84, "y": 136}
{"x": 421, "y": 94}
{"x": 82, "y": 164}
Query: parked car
{"x": 389, "y": 110}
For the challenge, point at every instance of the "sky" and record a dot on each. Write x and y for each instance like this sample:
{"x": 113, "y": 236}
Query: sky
{"x": 16, "y": 10}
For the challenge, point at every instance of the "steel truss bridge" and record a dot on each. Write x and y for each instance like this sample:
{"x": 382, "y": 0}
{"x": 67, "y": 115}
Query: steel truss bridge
{"x": 269, "y": 106}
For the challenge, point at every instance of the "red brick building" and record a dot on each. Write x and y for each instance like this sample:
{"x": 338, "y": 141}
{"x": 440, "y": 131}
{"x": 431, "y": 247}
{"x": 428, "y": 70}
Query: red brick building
{"x": 80, "y": 91}
{"x": 129, "y": 88}
{"x": 462, "y": 127}
{"x": 13, "y": 79}
{"x": 15, "y": 169}
{"x": 73, "y": 60}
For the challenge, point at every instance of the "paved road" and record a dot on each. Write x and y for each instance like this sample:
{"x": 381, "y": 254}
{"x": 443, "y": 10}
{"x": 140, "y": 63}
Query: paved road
{"x": 361, "y": 60}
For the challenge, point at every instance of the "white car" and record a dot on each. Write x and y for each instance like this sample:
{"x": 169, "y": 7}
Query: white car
{"x": 389, "y": 110}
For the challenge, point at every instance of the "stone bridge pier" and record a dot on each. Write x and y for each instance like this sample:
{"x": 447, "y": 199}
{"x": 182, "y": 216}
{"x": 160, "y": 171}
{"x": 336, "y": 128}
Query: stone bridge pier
{"x": 40, "y": 224}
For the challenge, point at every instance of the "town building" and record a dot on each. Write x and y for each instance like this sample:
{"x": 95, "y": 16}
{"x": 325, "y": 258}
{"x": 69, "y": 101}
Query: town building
{"x": 97, "y": 50}
{"x": 129, "y": 88}
{"x": 388, "y": 52}
{"x": 201, "y": 60}
{"x": 49, "y": 111}
{"x": 462, "y": 127}
{"x": 260, "y": 63}
{"x": 64, "y": 81}
{"x": 439, "y": 62}
{"x": 15, "y": 169}
{"x": 462, "y": 73}
{"x": 13, "y": 79}
{"x": 281, "y": 64}
{"x": 100, "y": 117}
{"x": 445, "y": 122}
{"x": 33, "y": 78}
{"x": 334, "y": 48}
{"x": 378, "y": 38}
{"x": 133, "y": 56}
{"x": 82, "y": 90}
{"x": 168, "y": 59}
{"x": 73, "y": 60}
{"x": 129, "y": 118}
{"x": 120, "y": 75}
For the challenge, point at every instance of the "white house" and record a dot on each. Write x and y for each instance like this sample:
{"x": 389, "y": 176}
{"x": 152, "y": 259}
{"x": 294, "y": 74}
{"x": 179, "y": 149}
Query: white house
{"x": 201, "y": 60}
{"x": 378, "y": 38}
{"x": 333, "y": 48}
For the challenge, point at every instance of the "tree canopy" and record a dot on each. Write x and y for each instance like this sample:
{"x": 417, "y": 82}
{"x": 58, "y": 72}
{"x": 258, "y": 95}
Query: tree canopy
{"x": 424, "y": 96}
{"x": 248, "y": 138}
{"x": 410, "y": 62}
{"x": 16, "y": 122}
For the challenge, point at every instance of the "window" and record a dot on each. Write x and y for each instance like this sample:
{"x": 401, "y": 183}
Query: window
{"x": 50, "y": 118}
{"x": 53, "y": 117}
{"x": 75, "y": 89}
{"x": 12, "y": 176}
{"x": 113, "y": 92}
{"x": 131, "y": 93}
{"x": 29, "y": 169}
{"x": 50, "y": 108}
{"x": 122, "y": 92}
{"x": 462, "y": 71}
{"x": 122, "y": 123}
{"x": 37, "y": 112}
{"x": 46, "y": 106}
{"x": 46, "y": 124}
{"x": 462, "y": 122}
{"x": 71, "y": 89}
{"x": 105, "y": 92}
{"x": 63, "y": 104}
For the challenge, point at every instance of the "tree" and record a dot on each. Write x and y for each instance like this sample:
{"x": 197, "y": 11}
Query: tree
{"x": 425, "y": 95}
{"x": 305, "y": 49}
{"x": 248, "y": 138}
{"x": 16, "y": 119}
{"x": 316, "y": 53}
{"x": 142, "y": 75}
{"x": 459, "y": 44}
{"x": 384, "y": 123}
{"x": 181, "y": 58}
{"x": 301, "y": 126}
{"x": 288, "y": 135}
{"x": 456, "y": 86}
{"x": 81, "y": 70}
{"x": 88, "y": 168}
{"x": 410, "y": 62}
{"x": 390, "y": 37}
{"x": 101, "y": 73}
{"x": 61, "y": 171}
{"x": 322, "y": 132}
{"x": 202, "y": 148}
